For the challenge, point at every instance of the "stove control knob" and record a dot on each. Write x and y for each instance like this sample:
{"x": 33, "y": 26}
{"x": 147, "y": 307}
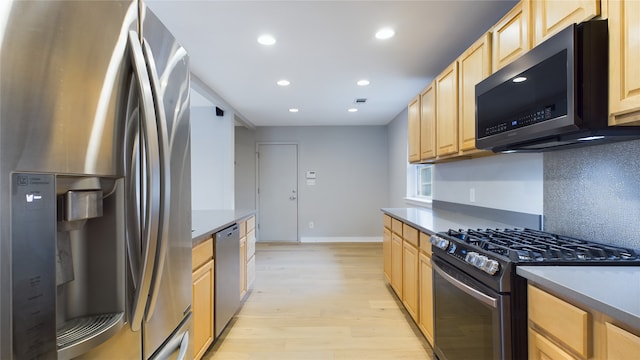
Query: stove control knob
{"x": 439, "y": 242}
{"x": 491, "y": 267}
{"x": 471, "y": 257}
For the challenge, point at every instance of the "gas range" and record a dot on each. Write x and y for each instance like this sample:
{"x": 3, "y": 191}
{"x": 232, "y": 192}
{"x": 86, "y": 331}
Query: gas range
{"x": 475, "y": 285}
{"x": 491, "y": 254}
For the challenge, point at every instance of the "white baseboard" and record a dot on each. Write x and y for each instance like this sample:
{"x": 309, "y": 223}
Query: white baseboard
{"x": 345, "y": 239}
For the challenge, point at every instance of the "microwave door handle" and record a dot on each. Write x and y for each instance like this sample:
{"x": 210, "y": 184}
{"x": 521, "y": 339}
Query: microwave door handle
{"x": 485, "y": 299}
{"x": 151, "y": 178}
{"x": 165, "y": 179}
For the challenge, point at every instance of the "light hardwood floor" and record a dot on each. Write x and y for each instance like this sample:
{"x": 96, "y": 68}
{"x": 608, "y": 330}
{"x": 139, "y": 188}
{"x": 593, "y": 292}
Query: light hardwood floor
{"x": 320, "y": 301}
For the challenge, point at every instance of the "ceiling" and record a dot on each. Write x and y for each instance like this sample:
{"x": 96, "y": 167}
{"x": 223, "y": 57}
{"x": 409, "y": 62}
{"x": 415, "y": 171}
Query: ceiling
{"x": 323, "y": 48}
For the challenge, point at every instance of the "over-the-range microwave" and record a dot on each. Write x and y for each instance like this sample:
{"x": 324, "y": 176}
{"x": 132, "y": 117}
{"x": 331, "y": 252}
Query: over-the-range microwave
{"x": 555, "y": 96}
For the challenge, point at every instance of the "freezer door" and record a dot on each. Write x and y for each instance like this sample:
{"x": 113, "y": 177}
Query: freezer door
{"x": 170, "y": 296}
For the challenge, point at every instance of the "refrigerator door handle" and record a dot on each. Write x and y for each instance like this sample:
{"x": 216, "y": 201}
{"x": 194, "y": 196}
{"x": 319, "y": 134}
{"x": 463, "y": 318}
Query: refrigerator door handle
{"x": 165, "y": 179}
{"x": 151, "y": 178}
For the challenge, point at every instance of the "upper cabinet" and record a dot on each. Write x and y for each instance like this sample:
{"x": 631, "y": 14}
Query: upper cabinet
{"x": 447, "y": 111}
{"x": 474, "y": 65}
{"x": 551, "y": 16}
{"x": 428, "y": 123}
{"x": 511, "y": 37}
{"x": 414, "y": 129}
{"x": 624, "y": 57}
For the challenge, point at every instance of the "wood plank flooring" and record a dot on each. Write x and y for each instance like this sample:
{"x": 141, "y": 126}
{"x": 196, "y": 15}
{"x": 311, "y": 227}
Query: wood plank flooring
{"x": 320, "y": 301}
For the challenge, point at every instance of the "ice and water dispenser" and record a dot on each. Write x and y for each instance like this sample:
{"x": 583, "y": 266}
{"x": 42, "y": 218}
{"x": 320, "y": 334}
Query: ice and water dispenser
{"x": 68, "y": 263}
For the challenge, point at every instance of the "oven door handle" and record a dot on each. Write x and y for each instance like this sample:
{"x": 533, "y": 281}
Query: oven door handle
{"x": 485, "y": 299}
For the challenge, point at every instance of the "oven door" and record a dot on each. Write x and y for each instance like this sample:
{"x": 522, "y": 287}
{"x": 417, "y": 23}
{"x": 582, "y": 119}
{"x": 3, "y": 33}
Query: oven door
{"x": 471, "y": 320}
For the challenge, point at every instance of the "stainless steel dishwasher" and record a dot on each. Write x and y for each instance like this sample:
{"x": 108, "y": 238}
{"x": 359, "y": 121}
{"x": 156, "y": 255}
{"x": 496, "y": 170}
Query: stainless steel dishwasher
{"x": 227, "y": 277}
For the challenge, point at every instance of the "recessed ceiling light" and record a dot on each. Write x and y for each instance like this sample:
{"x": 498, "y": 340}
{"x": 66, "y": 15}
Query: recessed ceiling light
{"x": 293, "y": 110}
{"x": 266, "y": 39}
{"x": 385, "y": 33}
{"x": 519, "y": 79}
{"x": 352, "y": 110}
{"x": 283, "y": 82}
{"x": 363, "y": 82}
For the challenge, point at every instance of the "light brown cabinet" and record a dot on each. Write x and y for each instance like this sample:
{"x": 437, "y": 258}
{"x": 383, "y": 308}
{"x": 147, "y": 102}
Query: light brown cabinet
{"x": 396, "y": 263}
{"x": 428, "y": 123}
{"x": 551, "y": 16}
{"x": 474, "y": 65}
{"x": 425, "y": 279}
{"x": 447, "y": 111}
{"x": 624, "y": 57}
{"x": 410, "y": 263}
{"x": 511, "y": 37}
{"x": 203, "y": 297}
{"x": 247, "y": 255}
{"x": 386, "y": 253}
{"x": 414, "y": 129}
{"x": 408, "y": 255}
{"x": 560, "y": 328}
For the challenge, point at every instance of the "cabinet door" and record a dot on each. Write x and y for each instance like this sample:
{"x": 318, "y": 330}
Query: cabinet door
{"x": 447, "y": 111}
{"x": 203, "y": 295}
{"x": 396, "y": 264}
{"x": 624, "y": 57}
{"x": 511, "y": 36}
{"x": 414, "y": 130}
{"x": 551, "y": 16}
{"x": 243, "y": 267}
{"x": 428, "y": 123}
{"x": 425, "y": 322}
{"x": 386, "y": 254}
{"x": 540, "y": 348}
{"x": 410, "y": 279}
{"x": 473, "y": 66}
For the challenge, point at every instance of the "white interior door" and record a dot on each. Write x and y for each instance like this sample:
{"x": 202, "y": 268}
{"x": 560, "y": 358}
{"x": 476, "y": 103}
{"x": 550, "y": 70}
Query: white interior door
{"x": 278, "y": 192}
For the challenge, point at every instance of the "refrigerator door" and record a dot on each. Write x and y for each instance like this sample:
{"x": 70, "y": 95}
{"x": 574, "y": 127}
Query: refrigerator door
{"x": 169, "y": 303}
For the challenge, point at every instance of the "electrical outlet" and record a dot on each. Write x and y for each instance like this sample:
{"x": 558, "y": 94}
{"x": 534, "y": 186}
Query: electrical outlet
{"x": 472, "y": 195}
{"x": 311, "y": 225}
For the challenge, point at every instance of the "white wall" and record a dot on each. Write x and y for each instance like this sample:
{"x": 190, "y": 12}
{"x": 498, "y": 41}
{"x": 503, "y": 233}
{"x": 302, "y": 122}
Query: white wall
{"x": 351, "y": 165}
{"x": 212, "y": 154}
{"x": 507, "y": 182}
{"x": 245, "y": 168}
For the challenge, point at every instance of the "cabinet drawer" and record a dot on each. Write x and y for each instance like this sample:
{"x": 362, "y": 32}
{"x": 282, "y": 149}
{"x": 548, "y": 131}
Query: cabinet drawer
{"x": 410, "y": 234}
{"x": 201, "y": 253}
{"x": 242, "y": 227}
{"x": 565, "y": 322}
{"x": 425, "y": 243}
{"x": 396, "y": 226}
{"x": 621, "y": 344}
{"x": 251, "y": 223}
{"x": 387, "y": 221}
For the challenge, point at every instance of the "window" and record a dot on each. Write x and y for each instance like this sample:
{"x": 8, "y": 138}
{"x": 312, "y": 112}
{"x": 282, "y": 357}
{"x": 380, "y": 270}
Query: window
{"x": 419, "y": 183}
{"x": 423, "y": 181}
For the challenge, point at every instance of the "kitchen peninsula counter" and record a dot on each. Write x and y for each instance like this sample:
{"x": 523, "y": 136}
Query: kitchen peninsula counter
{"x": 205, "y": 223}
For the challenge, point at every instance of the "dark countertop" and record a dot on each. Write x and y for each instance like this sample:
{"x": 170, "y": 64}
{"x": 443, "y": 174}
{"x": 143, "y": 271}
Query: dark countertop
{"x": 205, "y": 223}
{"x": 612, "y": 290}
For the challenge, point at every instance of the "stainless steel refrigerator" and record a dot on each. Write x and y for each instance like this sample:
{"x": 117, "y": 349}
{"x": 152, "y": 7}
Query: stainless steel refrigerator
{"x": 95, "y": 188}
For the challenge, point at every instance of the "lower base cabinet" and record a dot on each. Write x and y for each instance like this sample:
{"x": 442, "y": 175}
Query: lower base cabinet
{"x": 561, "y": 329}
{"x": 425, "y": 322}
{"x": 203, "y": 297}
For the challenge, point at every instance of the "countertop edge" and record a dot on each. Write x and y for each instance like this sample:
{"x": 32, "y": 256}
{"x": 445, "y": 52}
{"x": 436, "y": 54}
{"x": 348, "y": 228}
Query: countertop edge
{"x": 528, "y": 272}
{"x": 220, "y": 219}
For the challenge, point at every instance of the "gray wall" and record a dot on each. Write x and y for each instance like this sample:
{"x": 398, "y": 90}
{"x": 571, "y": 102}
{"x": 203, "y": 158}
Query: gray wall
{"x": 593, "y": 193}
{"x": 352, "y": 185}
{"x": 212, "y": 148}
{"x": 245, "y": 168}
{"x": 508, "y": 182}
{"x": 397, "y": 138}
